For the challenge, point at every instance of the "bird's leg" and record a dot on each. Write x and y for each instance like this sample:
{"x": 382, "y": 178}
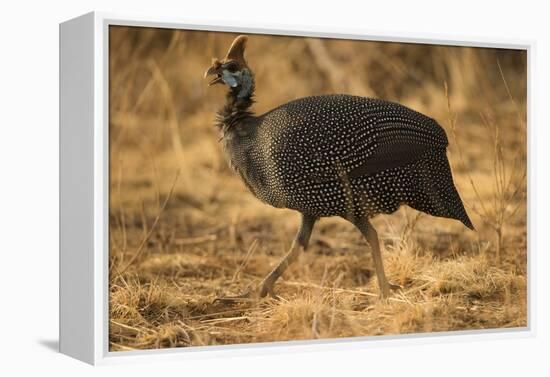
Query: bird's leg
{"x": 298, "y": 245}
{"x": 371, "y": 236}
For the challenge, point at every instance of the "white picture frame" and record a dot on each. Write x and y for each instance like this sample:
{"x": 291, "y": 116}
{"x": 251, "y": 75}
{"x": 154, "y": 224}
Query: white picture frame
{"x": 84, "y": 191}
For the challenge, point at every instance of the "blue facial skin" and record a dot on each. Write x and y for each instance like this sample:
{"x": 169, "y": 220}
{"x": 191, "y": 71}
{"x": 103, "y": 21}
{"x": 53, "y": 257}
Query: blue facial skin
{"x": 230, "y": 78}
{"x": 233, "y": 79}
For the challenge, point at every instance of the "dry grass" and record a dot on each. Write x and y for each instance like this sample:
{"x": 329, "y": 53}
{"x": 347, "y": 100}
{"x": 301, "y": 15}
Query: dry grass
{"x": 184, "y": 230}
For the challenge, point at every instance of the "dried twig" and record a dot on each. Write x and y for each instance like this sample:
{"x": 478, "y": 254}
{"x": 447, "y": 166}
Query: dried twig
{"x": 195, "y": 240}
{"x": 507, "y": 183}
{"x": 173, "y": 122}
{"x": 251, "y": 249}
{"x": 146, "y": 238}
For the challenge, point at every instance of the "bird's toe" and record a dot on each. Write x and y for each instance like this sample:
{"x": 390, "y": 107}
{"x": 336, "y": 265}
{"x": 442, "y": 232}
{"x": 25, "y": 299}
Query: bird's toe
{"x": 395, "y": 287}
{"x": 247, "y": 296}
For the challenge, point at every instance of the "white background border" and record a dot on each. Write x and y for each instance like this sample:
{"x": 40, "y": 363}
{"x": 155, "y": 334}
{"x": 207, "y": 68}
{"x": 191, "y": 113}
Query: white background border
{"x": 103, "y": 21}
{"x": 29, "y": 163}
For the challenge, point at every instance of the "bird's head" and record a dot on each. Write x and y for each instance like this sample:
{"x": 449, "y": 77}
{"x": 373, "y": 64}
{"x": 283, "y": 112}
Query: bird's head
{"x": 233, "y": 70}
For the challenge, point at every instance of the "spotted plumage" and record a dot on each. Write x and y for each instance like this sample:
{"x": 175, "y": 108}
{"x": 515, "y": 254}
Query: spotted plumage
{"x": 335, "y": 155}
{"x": 320, "y": 154}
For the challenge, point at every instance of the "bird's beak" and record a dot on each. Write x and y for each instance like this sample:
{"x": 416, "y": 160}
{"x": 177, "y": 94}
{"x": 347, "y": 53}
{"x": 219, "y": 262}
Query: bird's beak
{"x": 214, "y": 70}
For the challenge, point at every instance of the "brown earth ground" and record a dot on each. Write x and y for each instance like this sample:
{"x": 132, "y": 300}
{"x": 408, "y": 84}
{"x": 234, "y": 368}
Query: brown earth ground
{"x": 184, "y": 229}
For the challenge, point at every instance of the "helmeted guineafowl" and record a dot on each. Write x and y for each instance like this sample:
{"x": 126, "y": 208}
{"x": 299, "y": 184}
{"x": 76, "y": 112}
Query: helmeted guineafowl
{"x": 333, "y": 155}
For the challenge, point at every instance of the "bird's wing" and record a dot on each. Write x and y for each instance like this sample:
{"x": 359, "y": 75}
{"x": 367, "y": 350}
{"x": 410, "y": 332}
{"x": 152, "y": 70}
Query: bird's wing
{"x": 398, "y": 142}
{"x": 328, "y": 142}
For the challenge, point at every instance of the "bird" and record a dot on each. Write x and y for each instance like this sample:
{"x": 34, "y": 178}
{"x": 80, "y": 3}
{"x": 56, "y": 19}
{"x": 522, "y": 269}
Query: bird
{"x": 332, "y": 155}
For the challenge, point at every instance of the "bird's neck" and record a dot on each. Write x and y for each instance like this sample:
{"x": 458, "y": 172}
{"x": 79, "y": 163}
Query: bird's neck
{"x": 237, "y": 107}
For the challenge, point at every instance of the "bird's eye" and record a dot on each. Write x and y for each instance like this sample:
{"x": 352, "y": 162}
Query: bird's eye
{"x": 231, "y": 66}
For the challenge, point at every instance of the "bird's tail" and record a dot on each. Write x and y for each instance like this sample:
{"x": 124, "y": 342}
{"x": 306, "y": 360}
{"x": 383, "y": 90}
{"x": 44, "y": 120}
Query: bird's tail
{"x": 449, "y": 194}
{"x": 440, "y": 195}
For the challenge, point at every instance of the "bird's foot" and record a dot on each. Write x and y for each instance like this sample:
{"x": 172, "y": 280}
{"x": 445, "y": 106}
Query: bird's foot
{"x": 385, "y": 291}
{"x": 394, "y": 287}
{"x": 250, "y": 295}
